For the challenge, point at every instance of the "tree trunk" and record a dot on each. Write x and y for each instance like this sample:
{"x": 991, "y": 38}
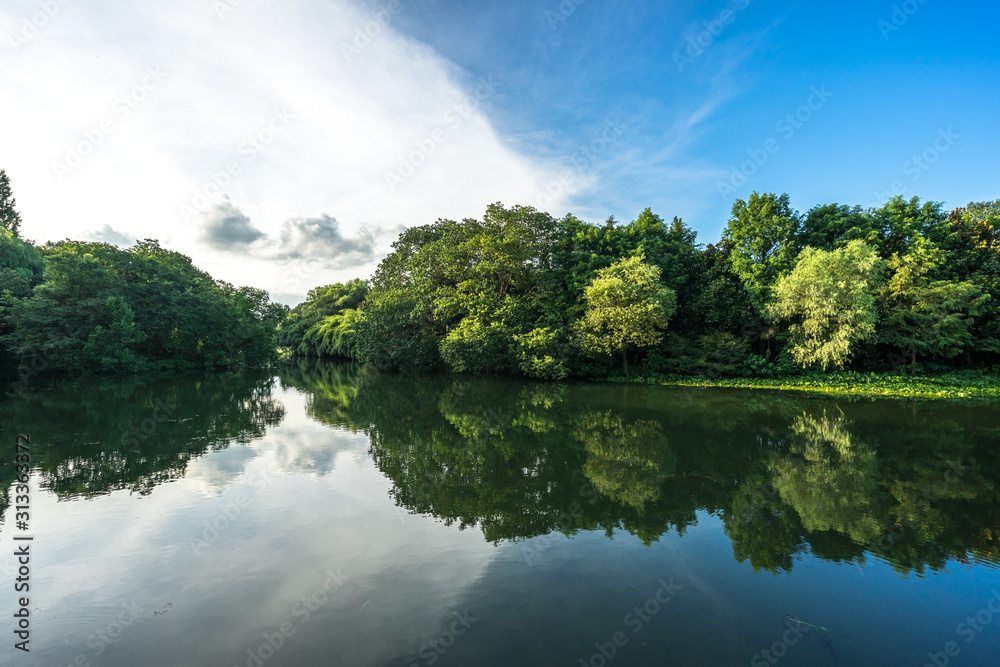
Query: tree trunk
{"x": 625, "y": 360}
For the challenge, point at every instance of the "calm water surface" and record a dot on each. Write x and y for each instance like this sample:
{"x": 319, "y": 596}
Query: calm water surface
{"x": 330, "y": 516}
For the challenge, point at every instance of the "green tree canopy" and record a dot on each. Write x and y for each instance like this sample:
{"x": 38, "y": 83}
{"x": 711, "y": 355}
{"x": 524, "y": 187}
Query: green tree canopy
{"x": 833, "y": 226}
{"x": 830, "y": 295}
{"x": 309, "y": 329}
{"x": 762, "y": 236}
{"x": 627, "y": 306}
{"x": 101, "y": 308}
{"x": 925, "y": 316}
{"x": 10, "y": 219}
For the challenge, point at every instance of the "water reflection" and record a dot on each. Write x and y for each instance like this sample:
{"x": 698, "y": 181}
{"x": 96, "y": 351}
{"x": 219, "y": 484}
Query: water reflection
{"x": 92, "y": 436}
{"x": 910, "y": 484}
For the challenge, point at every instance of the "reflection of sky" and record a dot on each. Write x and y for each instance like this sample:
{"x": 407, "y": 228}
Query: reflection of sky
{"x": 311, "y": 501}
{"x": 293, "y": 526}
{"x": 298, "y": 445}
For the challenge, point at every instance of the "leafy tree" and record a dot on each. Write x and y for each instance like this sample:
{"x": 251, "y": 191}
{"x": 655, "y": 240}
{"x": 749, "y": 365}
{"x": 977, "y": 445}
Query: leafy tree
{"x": 831, "y": 297}
{"x": 335, "y": 336}
{"x": 110, "y": 347}
{"x": 21, "y": 265}
{"x": 101, "y": 308}
{"x": 832, "y": 226}
{"x": 719, "y": 299}
{"x": 925, "y": 316}
{"x": 477, "y": 345}
{"x": 397, "y": 332}
{"x": 975, "y": 257}
{"x": 627, "y": 306}
{"x": 762, "y": 236}
{"x": 307, "y": 328}
{"x": 899, "y": 222}
{"x": 543, "y": 353}
{"x": 10, "y": 219}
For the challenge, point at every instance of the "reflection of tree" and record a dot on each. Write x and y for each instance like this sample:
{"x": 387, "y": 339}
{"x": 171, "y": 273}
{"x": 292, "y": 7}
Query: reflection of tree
{"x": 943, "y": 494}
{"x": 332, "y": 388}
{"x": 762, "y": 528}
{"x": 91, "y": 436}
{"x": 518, "y": 459}
{"x": 829, "y": 479}
{"x": 626, "y": 462}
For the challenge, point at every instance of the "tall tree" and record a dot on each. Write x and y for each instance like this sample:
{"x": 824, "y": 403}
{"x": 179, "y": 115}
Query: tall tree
{"x": 901, "y": 221}
{"x": 974, "y": 255}
{"x": 830, "y": 296}
{"x": 627, "y": 306}
{"x": 762, "y": 236}
{"x": 833, "y": 226}
{"x": 9, "y": 217}
{"x": 925, "y": 316}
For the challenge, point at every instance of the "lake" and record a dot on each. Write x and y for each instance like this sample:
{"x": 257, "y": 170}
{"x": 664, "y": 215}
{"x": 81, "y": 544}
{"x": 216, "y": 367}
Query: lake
{"x": 336, "y": 516}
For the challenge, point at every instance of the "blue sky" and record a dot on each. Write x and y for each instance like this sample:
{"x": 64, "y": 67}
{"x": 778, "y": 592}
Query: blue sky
{"x": 279, "y": 145}
{"x": 696, "y": 102}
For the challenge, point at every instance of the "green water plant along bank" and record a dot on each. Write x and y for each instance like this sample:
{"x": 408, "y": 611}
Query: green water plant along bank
{"x": 958, "y": 384}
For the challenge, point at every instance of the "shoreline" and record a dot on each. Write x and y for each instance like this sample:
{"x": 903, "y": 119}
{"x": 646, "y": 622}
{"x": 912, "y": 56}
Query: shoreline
{"x": 963, "y": 385}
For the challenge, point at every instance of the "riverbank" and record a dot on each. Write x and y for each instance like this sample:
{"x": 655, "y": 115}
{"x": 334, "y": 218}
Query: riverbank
{"x": 959, "y": 384}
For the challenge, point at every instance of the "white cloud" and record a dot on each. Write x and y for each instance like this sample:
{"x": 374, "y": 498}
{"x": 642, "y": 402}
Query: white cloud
{"x": 317, "y": 239}
{"x": 172, "y": 104}
{"x": 108, "y": 234}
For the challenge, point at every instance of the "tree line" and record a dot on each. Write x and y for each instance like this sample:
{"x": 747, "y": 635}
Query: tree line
{"x": 94, "y": 307}
{"x": 522, "y": 292}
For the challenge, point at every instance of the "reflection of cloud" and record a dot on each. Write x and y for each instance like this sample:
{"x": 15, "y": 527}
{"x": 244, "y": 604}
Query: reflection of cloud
{"x": 291, "y": 530}
{"x": 210, "y": 475}
{"x": 315, "y": 449}
{"x": 298, "y": 445}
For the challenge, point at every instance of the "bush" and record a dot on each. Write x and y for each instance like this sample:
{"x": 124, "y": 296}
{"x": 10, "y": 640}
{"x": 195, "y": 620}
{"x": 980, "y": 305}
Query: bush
{"x": 542, "y": 354}
{"x": 475, "y": 347}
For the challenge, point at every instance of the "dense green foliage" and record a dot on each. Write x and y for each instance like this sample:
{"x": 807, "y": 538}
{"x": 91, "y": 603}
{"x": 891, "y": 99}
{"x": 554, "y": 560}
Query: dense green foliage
{"x": 100, "y": 308}
{"x": 520, "y": 292}
{"x": 627, "y": 306}
{"x": 832, "y": 294}
{"x": 324, "y": 325}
